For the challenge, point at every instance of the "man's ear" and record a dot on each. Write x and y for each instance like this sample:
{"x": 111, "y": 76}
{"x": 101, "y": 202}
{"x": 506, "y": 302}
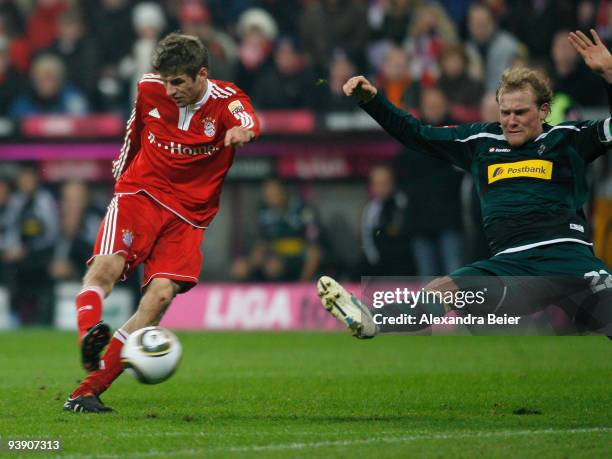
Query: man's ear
{"x": 203, "y": 73}
{"x": 544, "y": 111}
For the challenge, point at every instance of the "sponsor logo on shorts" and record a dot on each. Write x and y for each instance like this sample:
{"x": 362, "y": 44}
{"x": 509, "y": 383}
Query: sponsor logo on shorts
{"x": 128, "y": 237}
{"x": 532, "y": 168}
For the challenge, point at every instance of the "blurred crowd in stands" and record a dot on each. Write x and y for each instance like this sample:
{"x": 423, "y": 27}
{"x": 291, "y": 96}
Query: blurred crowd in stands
{"x": 439, "y": 59}
{"x": 47, "y": 234}
{"x": 74, "y": 57}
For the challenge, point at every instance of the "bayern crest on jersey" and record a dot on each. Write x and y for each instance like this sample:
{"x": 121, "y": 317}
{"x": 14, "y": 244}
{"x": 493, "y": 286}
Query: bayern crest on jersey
{"x": 128, "y": 237}
{"x": 209, "y": 127}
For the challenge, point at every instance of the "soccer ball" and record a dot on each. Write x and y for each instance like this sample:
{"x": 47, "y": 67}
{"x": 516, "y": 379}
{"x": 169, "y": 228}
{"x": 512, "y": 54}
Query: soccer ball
{"x": 151, "y": 354}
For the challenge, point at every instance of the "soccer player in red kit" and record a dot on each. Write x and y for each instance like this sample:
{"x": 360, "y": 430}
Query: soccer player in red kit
{"x": 179, "y": 145}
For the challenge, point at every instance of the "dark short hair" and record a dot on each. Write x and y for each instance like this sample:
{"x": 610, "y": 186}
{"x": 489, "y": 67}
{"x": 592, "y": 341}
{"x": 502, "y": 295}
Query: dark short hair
{"x": 180, "y": 54}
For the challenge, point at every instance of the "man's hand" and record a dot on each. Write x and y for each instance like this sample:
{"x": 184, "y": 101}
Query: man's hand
{"x": 361, "y": 88}
{"x": 14, "y": 254}
{"x": 238, "y": 136}
{"x": 594, "y": 53}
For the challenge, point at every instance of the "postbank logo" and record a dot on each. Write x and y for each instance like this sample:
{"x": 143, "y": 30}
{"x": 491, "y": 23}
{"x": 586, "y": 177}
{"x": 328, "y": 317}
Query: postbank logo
{"x": 534, "y": 168}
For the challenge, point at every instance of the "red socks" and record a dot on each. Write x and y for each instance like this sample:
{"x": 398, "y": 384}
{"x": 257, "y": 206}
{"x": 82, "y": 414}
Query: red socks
{"x": 89, "y": 308}
{"x": 110, "y": 368}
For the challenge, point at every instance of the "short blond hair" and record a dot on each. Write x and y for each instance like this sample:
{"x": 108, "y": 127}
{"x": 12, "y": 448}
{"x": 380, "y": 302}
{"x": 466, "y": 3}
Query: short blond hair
{"x": 517, "y": 78}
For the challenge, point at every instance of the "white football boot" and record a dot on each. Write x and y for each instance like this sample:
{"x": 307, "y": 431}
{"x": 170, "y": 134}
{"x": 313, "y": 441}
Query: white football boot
{"x": 345, "y": 307}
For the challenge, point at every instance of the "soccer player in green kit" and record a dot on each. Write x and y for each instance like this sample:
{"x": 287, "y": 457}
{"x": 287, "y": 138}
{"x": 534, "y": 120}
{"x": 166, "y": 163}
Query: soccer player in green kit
{"x": 530, "y": 177}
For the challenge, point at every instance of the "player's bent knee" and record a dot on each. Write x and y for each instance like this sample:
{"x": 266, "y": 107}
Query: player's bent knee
{"x": 104, "y": 271}
{"x": 157, "y": 298}
{"x": 161, "y": 292}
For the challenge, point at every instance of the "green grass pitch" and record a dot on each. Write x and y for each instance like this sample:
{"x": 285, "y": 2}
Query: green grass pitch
{"x": 324, "y": 395}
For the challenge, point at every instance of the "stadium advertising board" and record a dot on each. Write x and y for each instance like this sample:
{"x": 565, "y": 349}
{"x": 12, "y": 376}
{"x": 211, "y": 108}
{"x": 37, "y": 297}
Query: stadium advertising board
{"x": 250, "y": 307}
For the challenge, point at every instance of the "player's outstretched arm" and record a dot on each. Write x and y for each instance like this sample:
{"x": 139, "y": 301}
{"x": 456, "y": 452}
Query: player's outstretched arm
{"x": 360, "y": 88}
{"x": 438, "y": 142}
{"x": 594, "y": 52}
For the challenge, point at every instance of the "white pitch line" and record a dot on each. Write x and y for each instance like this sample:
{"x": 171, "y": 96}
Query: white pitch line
{"x": 357, "y": 441}
{"x": 208, "y": 434}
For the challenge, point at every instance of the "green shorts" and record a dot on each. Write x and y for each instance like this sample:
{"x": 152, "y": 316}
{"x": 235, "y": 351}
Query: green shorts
{"x": 567, "y": 275}
{"x": 566, "y": 259}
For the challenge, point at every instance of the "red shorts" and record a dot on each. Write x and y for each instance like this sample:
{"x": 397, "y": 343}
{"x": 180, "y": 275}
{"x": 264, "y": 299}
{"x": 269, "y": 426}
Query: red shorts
{"x": 142, "y": 231}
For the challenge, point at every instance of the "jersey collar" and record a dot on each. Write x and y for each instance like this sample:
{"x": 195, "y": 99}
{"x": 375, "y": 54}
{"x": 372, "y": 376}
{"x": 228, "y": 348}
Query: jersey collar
{"x": 204, "y": 98}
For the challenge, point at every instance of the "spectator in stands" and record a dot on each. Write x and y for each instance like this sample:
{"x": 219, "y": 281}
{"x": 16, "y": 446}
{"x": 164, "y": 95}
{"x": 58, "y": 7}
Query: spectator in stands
{"x": 149, "y": 23}
{"x": 462, "y": 91}
{"x": 457, "y": 10}
{"x": 111, "y": 25}
{"x": 257, "y": 31}
{"x": 325, "y": 25}
{"x": 495, "y": 48}
{"x": 78, "y": 52}
{"x": 572, "y": 77}
{"x": 226, "y": 14}
{"x": 49, "y": 93}
{"x": 41, "y": 29}
{"x": 595, "y": 14}
{"x": 287, "y": 246}
{"x": 32, "y": 231}
{"x": 10, "y": 81}
{"x": 430, "y": 30}
{"x": 385, "y": 228}
{"x": 388, "y": 20}
{"x": 196, "y": 20}
{"x": 289, "y": 83}
{"x": 333, "y": 99}
{"x": 395, "y": 79}
{"x": 79, "y": 222}
{"x": 10, "y": 11}
{"x": 535, "y": 23}
{"x": 388, "y": 27}
{"x": 16, "y": 44}
{"x": 433, "y": 190}
{"x": 283, "y": 12}
{"x": 489, "y": 108}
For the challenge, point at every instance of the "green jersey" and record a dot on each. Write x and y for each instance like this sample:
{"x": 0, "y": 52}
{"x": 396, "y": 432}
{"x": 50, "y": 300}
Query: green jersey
{"x": 530, "y": 196}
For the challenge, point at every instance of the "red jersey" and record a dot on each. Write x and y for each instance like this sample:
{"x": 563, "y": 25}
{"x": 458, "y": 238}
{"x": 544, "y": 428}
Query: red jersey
{"x": 176, "y": 155}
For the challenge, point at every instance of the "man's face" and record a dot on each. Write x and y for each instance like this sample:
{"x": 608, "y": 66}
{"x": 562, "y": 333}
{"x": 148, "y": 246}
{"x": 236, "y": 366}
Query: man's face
{"x": 183, "y": 89}
{"x": 274, "y": 194}
{"x": 47, "y": 80}
{"x": 480, "y": 25}
{"x": 381, "y": 183}
{"x": 520, "y": 117}
{"x": 433, "y": 106}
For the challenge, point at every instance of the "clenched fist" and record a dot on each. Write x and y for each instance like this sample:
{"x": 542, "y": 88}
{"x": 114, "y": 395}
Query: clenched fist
{"x": 361, "y": 88}
{"x": 238, "y": 136}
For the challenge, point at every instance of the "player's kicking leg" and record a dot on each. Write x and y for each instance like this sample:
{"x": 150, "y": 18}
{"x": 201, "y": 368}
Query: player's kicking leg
{"x": 345, "y": 307}
{"x": 94, "y": 334}
{"x": 157, "y": 298}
